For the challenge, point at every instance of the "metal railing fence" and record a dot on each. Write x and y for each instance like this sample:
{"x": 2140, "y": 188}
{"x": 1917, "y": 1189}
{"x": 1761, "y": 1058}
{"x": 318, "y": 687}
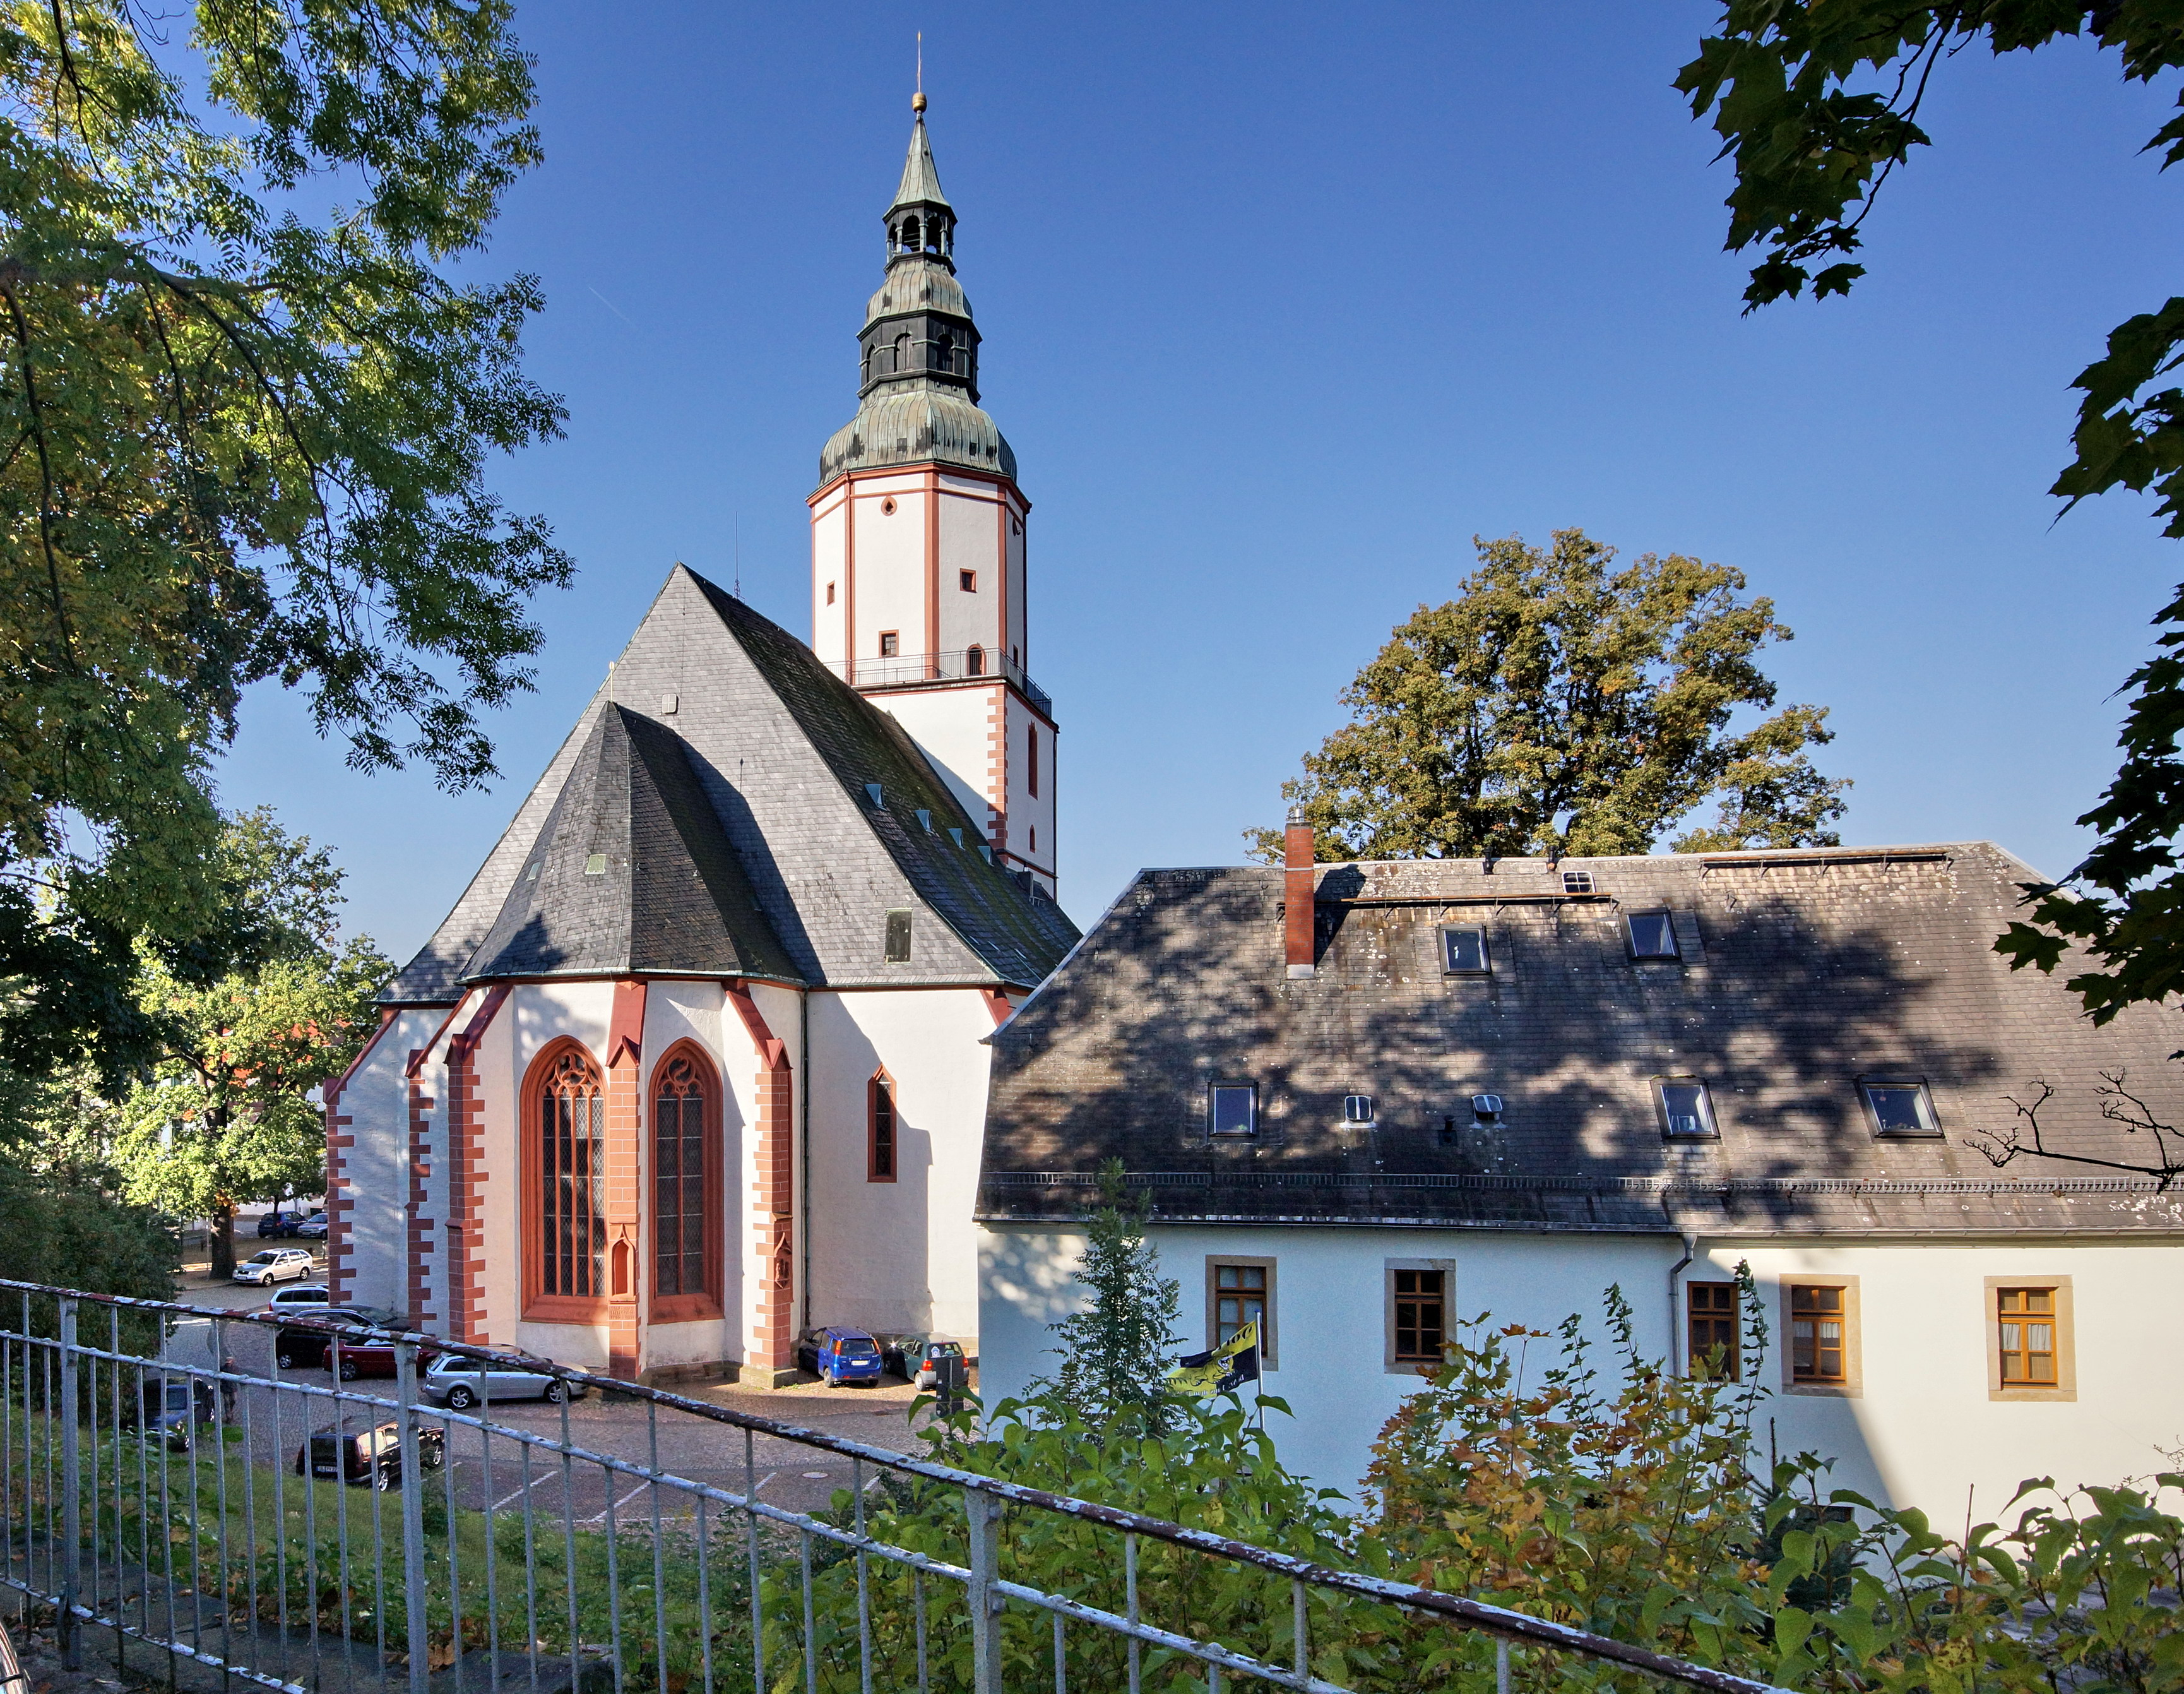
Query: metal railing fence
{"x": 969, "y": 664}
{"x": 493, "y": 1540}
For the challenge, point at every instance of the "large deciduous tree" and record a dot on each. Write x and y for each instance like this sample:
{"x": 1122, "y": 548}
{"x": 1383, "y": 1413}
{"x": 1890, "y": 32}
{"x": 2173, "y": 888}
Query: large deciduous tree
{"x": 1818, "y": 105}
{"x": 247, "y": 406}
{"x": 224, "y": 1117}
{"x": 1559, "y": 704}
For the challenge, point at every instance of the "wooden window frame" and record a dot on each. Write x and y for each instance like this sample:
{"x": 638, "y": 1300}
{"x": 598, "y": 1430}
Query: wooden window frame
{"x": 877, "y": 1086}
{"x": 1852, "y": 1386}
{"x": 1394, "y": 1365}
{"x": 2065, "y": 1386}
{"x": 1734, "y": 1358}
{"x": 1269, "y": 1329}
{"x": 687, "y": 1307}
{"x": 538, "y": 1306}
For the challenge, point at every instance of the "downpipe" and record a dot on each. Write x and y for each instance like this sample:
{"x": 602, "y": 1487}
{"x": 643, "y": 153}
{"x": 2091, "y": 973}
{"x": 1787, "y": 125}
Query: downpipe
{"x": 1678, "y": 1364}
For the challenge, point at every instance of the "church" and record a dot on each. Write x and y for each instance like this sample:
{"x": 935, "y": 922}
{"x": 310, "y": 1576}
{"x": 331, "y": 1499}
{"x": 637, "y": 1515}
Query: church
{"x": 698, "y": 1059}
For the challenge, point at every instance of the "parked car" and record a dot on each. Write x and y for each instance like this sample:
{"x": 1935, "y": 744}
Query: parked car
{"x": 300, "y": 1297}
{"x": 361, "y": 1449}
{"x": 175, "y": 1407}
{"x": 304, "y": 1345}
{"x": 373, "y": 1356}
{"x": 276, "y": 1264}
{"x": 836, "y": 1356}
{"x": 275, "y": 1226}
{"x": 513, "y": 1375}
{"x": 312, "y": 1228}
{"x": 914, "y": 1359}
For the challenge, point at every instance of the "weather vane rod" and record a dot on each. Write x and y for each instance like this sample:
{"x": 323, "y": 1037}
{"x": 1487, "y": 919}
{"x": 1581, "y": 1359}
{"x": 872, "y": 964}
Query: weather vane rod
{"x": 917, "y": 100}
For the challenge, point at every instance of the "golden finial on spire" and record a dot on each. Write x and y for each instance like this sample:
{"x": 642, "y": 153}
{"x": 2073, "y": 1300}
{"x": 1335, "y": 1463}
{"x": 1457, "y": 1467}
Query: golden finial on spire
{"x": 917, "y": 100}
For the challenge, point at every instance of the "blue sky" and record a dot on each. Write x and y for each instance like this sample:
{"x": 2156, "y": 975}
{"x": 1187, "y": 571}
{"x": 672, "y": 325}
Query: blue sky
{"x": 1281, "y": 306}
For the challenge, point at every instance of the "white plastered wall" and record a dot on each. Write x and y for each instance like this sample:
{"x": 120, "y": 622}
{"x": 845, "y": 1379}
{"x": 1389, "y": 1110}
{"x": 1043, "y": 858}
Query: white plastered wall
{"x": 1922, "y": 1431}
{"x": 783, "y": 1010}
{"x": 969, "y": 540}
{"x": 890, "y": 564}
{"x": 376, "y": 1103}
{"x": 953, "y": 727}
{"x": 830, "y": 567}
{"x": 899, "y": 1256}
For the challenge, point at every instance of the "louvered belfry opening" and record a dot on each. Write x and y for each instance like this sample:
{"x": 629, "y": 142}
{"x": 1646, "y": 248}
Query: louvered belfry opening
{"x": 572, "y": 1199}
{"x": 678, "y": 1165}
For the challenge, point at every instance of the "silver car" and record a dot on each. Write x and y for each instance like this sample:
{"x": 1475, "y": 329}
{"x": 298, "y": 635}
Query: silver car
{"x": 276, "y": 1264}
{"x": 512, "y": 1374}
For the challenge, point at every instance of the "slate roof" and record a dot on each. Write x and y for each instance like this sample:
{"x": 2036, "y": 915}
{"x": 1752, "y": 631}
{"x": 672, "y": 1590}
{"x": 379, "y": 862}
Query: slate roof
{"x": 920, "y": 180}
{"x": 1801, "y": 973}
{"x": 632, "y": 875}
{"x": 731, "y": 761}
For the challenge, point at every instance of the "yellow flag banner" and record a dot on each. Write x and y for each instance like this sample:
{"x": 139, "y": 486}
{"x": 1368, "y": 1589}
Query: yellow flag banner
{"x": 1219, "y": 1370}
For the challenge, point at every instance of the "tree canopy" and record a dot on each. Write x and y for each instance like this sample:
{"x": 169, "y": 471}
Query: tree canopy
{"x": 1817, "y": 106}
{"x": 244, "y": 436}
{"x": 223, "y": 1117}
{"x": 1559, "y": 704}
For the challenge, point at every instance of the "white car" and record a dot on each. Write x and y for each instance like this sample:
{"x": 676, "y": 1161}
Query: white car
{"x": 276, "y": 1264}
{"x": 461, "y": 1383}
{"x": 304, "y": 1296}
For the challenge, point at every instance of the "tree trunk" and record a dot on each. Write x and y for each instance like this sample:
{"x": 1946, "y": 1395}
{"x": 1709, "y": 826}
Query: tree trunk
{"x": 222, "y": 1235}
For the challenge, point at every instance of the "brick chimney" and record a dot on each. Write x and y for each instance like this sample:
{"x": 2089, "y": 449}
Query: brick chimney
{"x": 1296, "y": 894}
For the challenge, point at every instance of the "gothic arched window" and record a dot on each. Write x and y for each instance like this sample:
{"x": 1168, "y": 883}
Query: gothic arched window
{"x": 974, "y": 658}
{"x": 881, "y": 1129}
{"x": 566, "y": 1163}
{"x": 686, "y": 1178}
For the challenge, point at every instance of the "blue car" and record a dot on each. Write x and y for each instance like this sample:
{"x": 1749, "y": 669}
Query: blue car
{"x": 836, "y": 1356}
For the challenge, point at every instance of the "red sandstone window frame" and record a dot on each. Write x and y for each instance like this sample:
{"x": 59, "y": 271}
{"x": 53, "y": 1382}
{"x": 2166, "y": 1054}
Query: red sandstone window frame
{"x": 540, "y": 1306}
{"x": 1031, "y": 732}
{"x": 686, "y": 1307}
{"x": 882, "y": 1128}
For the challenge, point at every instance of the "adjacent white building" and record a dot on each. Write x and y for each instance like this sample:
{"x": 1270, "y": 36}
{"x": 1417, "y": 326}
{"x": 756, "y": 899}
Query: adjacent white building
{"x": 1367, "y": 1102}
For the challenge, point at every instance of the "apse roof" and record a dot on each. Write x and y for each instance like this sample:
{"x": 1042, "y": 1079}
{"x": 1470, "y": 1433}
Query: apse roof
{"x": 769, "y": 818}
{"x": 632, "y": 875}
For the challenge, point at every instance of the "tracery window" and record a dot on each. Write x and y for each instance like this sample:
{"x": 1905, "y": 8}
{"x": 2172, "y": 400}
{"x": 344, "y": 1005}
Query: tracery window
{"x": 571, "y": 1118}
{"x": 680, "y": 1192}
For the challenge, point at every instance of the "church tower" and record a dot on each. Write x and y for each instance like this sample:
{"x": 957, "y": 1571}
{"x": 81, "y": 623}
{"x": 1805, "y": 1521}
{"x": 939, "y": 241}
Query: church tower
{"x": 917, "y": 541}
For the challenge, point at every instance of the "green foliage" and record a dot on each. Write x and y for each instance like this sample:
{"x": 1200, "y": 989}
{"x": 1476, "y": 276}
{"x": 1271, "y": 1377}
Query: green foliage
{"x": 1554, "y": 688}
{"x": 222, "y": 1118}
{"x": 241, "y": 438}
{"x": 1818, "y": 104}
{"x": 1116, "y": 1353}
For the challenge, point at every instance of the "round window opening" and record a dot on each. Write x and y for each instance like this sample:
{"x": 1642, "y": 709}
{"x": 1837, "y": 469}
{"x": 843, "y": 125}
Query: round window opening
{"x": 887, "y": 508}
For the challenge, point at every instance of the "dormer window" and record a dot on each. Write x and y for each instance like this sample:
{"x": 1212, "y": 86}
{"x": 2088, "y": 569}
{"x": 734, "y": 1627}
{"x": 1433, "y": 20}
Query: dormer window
{"x": 1653, "y": 935}
{"x": 1234, "y": 1112}
{"x": 1485, "y": 1110}
{"x": 1463, "y": 951}
{"x": 1895, "y": 1106}
{"x": 1686, "y": 1110}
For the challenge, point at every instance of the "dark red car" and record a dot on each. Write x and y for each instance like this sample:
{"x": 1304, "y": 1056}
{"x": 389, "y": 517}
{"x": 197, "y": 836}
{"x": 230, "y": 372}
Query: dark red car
{"x": 374, "y": 1356}
{"x": 359, "y": 1450}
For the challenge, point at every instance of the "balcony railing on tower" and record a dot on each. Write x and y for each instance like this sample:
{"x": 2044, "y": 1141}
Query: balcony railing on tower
{"x": 914, "y": 669}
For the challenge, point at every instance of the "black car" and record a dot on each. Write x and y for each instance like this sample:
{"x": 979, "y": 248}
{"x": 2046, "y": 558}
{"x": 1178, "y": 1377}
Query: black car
{"x": 175, "y": 1407}
{"x": 303, "y": 1345}
{"x": 360, "y": 1450}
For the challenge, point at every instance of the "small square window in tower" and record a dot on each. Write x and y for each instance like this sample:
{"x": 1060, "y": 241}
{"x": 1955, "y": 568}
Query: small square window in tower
{"x": 1653, "y": 935}
{"x": 1463, "y": 952}
{"x": 890, "y": 644}
{"x": 898, "y": 937}
{"x": 967, "y": 581}
{"x": 1235, "y": 1110}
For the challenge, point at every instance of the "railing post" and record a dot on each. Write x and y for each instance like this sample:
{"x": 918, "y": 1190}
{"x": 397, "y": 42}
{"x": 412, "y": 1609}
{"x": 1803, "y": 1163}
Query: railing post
{"x": 985, "y": 1514}
{"x": 71, "y": 1486}
{"x": 412, "y": 1485}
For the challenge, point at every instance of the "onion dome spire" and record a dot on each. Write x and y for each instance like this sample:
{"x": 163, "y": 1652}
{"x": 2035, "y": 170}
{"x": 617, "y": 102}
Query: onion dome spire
{"x": 918, "y": 386}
